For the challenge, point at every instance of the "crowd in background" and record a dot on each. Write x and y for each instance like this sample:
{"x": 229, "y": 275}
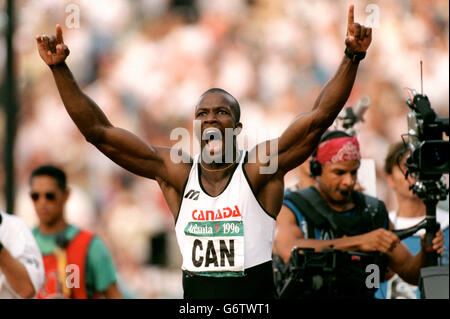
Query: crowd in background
{"x": 146, "y": 63}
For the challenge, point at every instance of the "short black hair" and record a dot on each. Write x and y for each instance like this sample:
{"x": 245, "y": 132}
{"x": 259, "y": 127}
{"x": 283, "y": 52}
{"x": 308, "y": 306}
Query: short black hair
{"x": 331, "y": 135}
{"x": 52, "y": 171}
{"x": 234, "y": 103}
{"x": 395, "y": 154}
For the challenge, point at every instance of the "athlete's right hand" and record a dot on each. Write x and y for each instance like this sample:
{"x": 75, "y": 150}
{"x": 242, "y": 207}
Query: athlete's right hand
{"x": 378, "y": 240}
{"x": 52, "y": 49}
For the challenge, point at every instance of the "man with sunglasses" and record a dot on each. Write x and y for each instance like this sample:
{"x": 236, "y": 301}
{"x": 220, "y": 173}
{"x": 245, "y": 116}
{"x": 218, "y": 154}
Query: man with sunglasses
{"x": 21, "y": 267}
{"x": 77, "y": 263}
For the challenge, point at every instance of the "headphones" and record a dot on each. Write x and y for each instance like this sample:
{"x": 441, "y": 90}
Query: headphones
{"x": 315, "y": 167}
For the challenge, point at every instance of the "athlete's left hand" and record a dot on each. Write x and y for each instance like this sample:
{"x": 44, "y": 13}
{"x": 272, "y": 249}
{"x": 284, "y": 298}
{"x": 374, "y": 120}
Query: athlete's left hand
{"x": 358, "y": 36}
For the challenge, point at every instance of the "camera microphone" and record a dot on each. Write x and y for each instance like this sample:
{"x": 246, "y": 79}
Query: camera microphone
{"x": 353, "y": 115}
{"x": 361, "y": 107}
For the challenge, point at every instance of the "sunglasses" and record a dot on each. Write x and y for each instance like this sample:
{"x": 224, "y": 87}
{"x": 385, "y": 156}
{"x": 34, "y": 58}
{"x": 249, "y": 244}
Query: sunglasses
{"x": 50, "y": 196}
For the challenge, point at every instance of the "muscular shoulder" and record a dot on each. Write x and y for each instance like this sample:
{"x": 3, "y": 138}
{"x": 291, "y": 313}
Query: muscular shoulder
{"x": 286, "y": 216}
{"x": 269, "y": 194}
{"x": 266, "y": 182}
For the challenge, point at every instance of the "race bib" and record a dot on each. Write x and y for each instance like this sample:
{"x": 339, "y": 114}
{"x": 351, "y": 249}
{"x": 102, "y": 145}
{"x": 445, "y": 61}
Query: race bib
{"x": 215, "y": 247}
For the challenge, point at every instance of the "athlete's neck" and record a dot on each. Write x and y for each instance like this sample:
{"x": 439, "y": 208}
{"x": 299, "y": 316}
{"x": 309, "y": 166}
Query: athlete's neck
{"x": 219, "y": 170}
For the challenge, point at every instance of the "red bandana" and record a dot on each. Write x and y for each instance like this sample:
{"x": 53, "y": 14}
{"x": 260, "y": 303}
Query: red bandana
{"x": 338, "y": 150}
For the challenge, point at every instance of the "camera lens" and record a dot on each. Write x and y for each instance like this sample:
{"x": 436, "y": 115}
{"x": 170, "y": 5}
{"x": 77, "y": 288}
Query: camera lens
{"x": 434, "y": 157}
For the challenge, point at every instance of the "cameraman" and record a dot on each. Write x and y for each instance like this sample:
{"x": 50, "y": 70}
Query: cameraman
{"x": 411, "y": 210}
{"x": 352, "y": 221}
{"x": 21, "y": 266}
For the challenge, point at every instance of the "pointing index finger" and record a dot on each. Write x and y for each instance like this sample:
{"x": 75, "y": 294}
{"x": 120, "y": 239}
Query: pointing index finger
{"x": 351, "y": 16}
{"x": 59, "y": 37}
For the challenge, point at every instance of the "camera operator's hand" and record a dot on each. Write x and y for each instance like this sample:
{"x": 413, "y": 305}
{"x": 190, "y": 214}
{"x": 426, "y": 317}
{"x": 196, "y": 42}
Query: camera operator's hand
{"x": 358, "y": 36}
{"x": 438, "y": 242}
{"x": 52, "y": 49}
{"x": 378, "y": 240}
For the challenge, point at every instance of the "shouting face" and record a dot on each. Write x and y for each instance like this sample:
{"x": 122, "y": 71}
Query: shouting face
{"x": 218, "y": 116}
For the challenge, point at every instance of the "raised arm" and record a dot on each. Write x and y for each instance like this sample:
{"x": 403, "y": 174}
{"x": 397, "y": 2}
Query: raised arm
{"x": 121, "y": 146}
{"x": 302, "y": 136}
{"x": 299, "y": 140}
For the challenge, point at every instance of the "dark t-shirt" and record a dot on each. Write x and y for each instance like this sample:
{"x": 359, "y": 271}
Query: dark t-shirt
{"x": 379, "y": 220}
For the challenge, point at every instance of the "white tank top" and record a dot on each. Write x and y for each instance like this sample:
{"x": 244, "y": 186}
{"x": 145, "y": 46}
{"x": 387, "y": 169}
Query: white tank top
{"x": 222, "y": 236}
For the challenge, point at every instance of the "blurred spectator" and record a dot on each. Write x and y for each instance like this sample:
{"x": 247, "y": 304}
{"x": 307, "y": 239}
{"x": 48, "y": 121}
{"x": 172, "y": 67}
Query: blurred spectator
{"x": 21, "y": 267}
{"x": 77, "y": 264}
{"x": 410, "y": 211}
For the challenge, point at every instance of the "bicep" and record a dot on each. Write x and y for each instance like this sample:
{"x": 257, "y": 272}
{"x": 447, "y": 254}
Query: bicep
{"x": 299, "y": 140}
{"x": 292, "y": 148}
{"x": 288, "y": 232}
{"x": 129, "y": 151}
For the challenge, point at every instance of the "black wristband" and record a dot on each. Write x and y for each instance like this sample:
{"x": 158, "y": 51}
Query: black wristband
{"x": 1, "y": 246}
{"x": 56, "y": 65}
{"x": 354, "y": 56}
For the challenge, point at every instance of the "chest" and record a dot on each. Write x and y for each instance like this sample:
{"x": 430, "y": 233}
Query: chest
{"x": 214, "y": 187}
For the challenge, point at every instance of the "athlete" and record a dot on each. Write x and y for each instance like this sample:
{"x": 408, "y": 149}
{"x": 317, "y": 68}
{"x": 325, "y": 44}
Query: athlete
{"x": 224, "y": 200}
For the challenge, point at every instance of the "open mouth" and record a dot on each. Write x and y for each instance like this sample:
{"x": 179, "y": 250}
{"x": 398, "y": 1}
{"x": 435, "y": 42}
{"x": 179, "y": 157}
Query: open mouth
{"x": 213, "y": 138}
